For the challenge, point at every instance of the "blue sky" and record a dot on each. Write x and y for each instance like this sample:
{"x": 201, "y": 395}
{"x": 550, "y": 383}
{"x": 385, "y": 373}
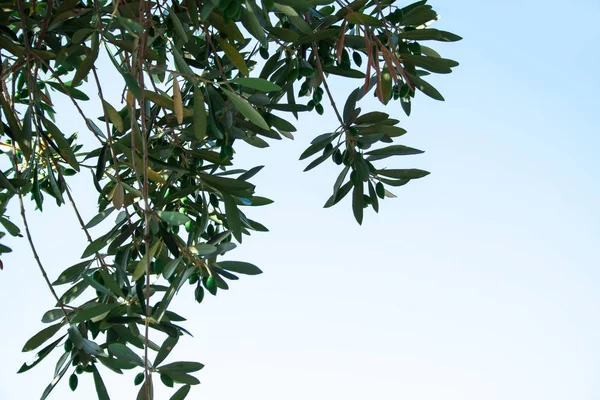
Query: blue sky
{"x": 479, "y": 281}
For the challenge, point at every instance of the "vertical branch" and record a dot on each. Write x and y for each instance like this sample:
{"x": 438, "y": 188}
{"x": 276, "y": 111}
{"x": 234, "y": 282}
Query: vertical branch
{"x": 138, "y": 67}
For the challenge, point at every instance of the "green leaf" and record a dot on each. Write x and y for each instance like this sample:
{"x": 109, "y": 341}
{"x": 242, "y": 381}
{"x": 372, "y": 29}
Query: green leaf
{"x": 146, "y": 390}
{"x": 348, "y": 73}
{"x": 142, "y": 264}
{"x": 184, "y": 378}
{"x": 429, "y": 52}
{"x": 339, "y": 195}
{"x": 166, "y": 380}
{"x": 57, "y": 377}
{"x": 258, "y": 201}
{"x": 231, "y": 29}
{"x": 426, "y": 88}
{"x": 182, "y": 393}
{"x": 394, "y": 150}
{"x": 340, "y": 179}
{"x": 247, "y": 110}
{"x": 179, "y": 30}
{"x": 173, "y": 217}
{"x": 94, "y": 247}
{"x": 394, "y": 182}
{"x": 321, "y": 158}
{"x": 422, "y": 34}
{"x": 61, "y": 142}
{"x": 85, "y": 67}
{"x": 219, "y": 238}
{"x": 371, "y": 118}
{"x": 40, "y": 355}
{"x": 182, "y": 65}
{"x": 287, "y": 35}
{"x": 4, "y": 182}
{"x": 52, "y": 315}
{"x": 234, "y": 55}
{"x": 132, "y": 26}
{"x": 357, "y": 202}
{"x": 69, "y": 91}
{"x": 96, "y": 285}
{"x": 114, "y": 116}
{"x": 99, "y": 383}
{"x": 200, "y": 123}
{"x": 41, "y": 337}
{"x": 257, "y": 84}
{"x": 90, "y": 312}
{"x": 56, "y": 190}
{"x": 250, "y": 173}
{"x": 233, "y": 216}
{"x": 10, "y": 227}
{"x": 294, "y": 108}
{"x": 318, "y": 144}
{"x": 253, "y": 26}
{"x": 433, "y": 64}
{"x": 239, "y": 267}
{"x": 171, "y": 267}
{"x": 92, "y": 348}
{"x": 350, "y": 105}
{"x": 363, "y": 19}
{"x": 280, "y": 123}
{"x": 203, "y": 249}
{"x": 319, "y": 35}
{"x": 74, "y": 292}
{"x": 99, "y": 217}
{"x": 181, "y": 366}
{"x": 110, "y": 282}
{"x": 450, "y": 37}
{"x": 373, "y": 196}
{"x": 17, "y": 133}
{"x": 165, "y": 349}
{"x": 403, "y": 173}
{"x": 125, "y": 354}
{"x": 303, "y": 5}
{"x": 418, "y": 16}
{"x": 227, "y": 184}
{"x": 73, "y": 273}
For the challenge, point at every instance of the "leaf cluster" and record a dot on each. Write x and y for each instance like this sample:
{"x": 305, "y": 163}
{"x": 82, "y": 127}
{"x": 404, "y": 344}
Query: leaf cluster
{"x": 199, "y": 78}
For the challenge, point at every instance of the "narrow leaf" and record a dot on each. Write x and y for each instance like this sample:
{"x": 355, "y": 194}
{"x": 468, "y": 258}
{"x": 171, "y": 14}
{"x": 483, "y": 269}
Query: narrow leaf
{"x": 233, "y": 216}
{"x": 42, "y": 336}
{"x": 200, "y": 123}
{"x": 240, "y": 267}
{"x": 177, "y": 102}
{"x": 182, "y": 393}
{"x": 247, "y": 110}
{"x": 173, "y": 217}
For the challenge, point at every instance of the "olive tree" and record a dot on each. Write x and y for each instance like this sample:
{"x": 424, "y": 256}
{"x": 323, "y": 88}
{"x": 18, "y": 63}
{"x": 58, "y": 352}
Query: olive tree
{"x": 198, "y": 78}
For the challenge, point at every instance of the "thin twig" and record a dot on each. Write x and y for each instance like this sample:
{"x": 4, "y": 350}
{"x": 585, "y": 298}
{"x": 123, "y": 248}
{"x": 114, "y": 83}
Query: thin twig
{"x": 64, "y": 86}
{"x": 61, "y": 177}
{"x": 144, "y": 20}
{"x": 331, "y": 99}
{"x": 30, "y": 240}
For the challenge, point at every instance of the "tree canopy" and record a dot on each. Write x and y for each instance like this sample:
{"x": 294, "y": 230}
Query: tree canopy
{"x": 198, "y": 77}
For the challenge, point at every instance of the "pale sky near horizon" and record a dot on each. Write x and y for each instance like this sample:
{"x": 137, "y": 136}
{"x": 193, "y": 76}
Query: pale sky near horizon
{"x": 479, "y": 281}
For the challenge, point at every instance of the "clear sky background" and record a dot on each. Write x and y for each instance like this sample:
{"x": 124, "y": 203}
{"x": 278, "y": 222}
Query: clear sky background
{"x": 480, "y": 281}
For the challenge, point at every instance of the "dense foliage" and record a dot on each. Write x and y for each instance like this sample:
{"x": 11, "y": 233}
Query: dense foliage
{"x": 199, "y": 76}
